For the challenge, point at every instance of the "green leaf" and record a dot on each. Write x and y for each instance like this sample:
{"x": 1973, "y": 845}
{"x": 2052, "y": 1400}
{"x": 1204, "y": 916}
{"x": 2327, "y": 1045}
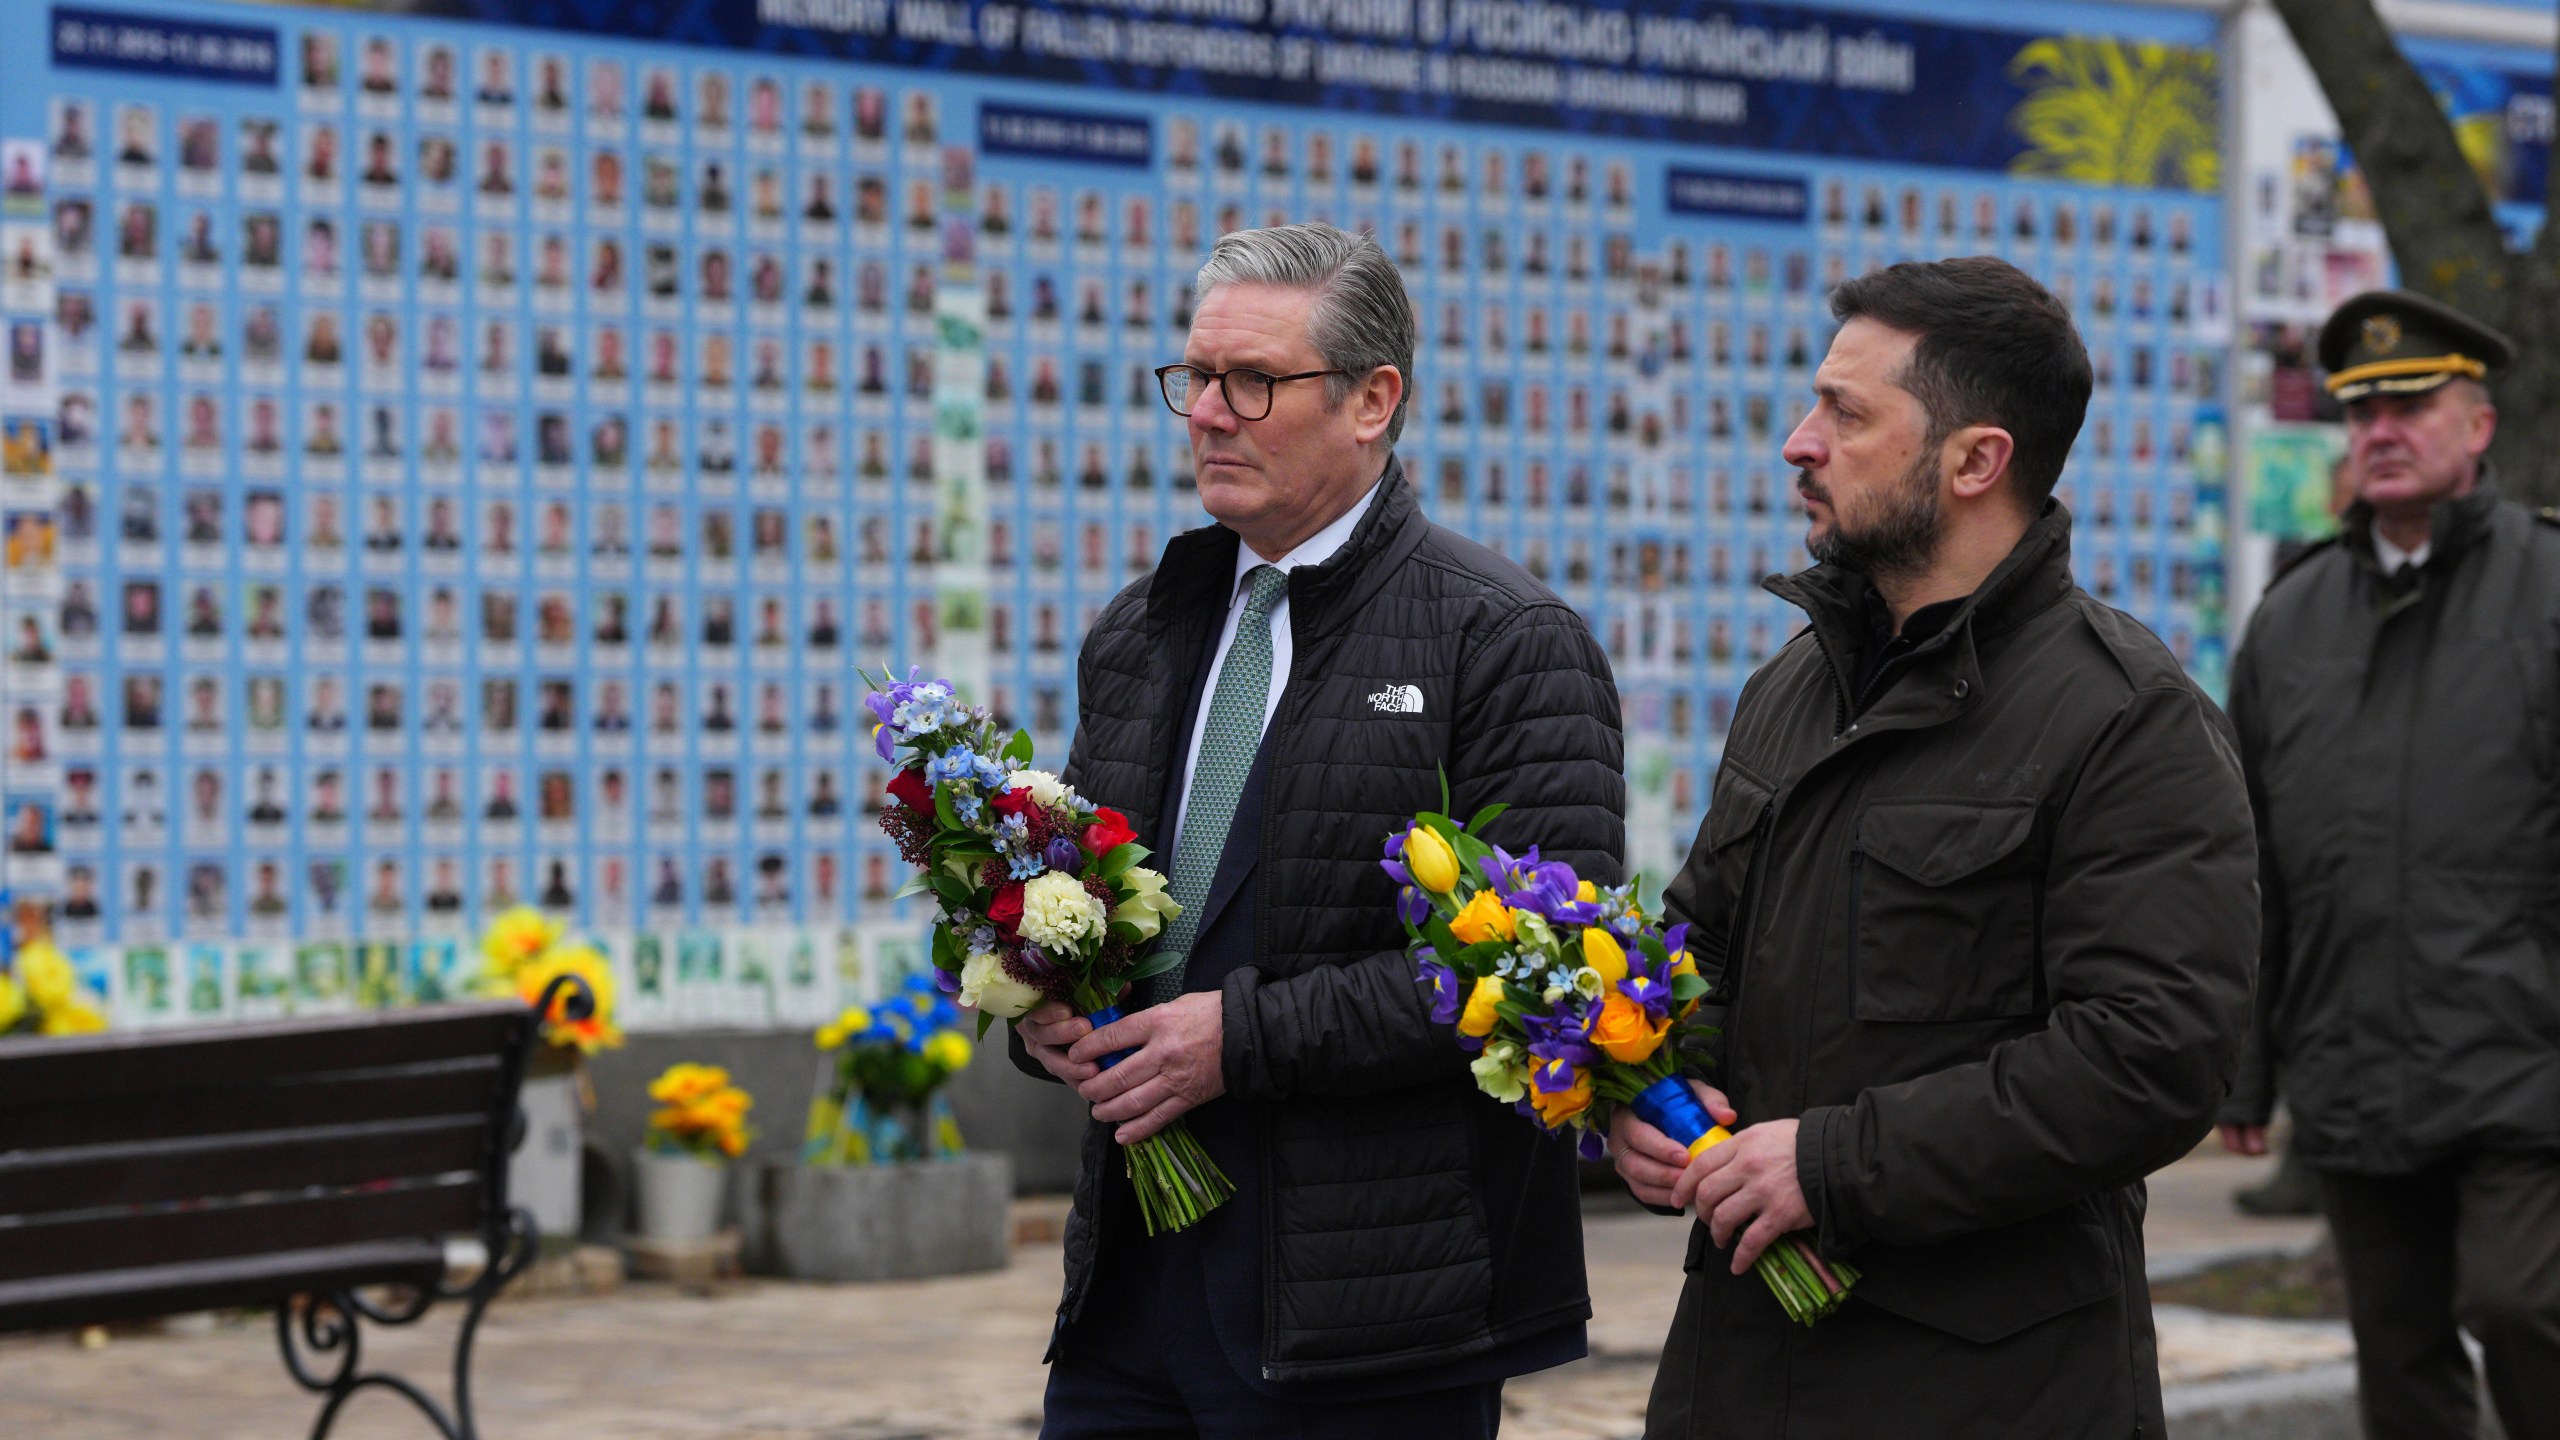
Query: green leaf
{"x": 1443, "y": 769}
{"x": 1116, "y": 861}
{"x": 917, "y": 884}
{"x": 1436, "y": 930}
{"x": 1653, "y": 948}
{"x": 1017, "y": 749}
{"x": 942, "y": 810}
{"x": 955, "y": 894}
{"x": 1124, "y": 932}
{"x": 1485, "y": 816}
{"x": 1685, "y": 988}
{"x": 1156, "y": 964}
{"x": 984, "y": 1020}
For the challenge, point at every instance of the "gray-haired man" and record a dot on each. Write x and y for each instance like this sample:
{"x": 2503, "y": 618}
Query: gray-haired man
{"x": 1283, "y": 691}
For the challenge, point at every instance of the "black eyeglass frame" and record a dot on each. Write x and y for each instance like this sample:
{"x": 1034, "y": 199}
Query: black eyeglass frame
{"x": 1270, "y": 388}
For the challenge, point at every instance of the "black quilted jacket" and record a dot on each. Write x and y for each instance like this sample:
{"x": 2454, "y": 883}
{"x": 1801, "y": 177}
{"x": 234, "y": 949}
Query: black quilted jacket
{"x": 1411, "y": 1220}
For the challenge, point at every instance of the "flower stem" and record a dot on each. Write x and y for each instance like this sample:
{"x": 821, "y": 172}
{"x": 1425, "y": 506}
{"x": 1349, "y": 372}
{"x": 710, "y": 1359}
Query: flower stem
{"x": 1175, "y": 1180}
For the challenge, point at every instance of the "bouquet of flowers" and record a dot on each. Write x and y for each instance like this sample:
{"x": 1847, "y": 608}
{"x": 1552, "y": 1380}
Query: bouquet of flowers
{"x": 699, "y": 1114}
{"x": 1041, "y": 894}
{"x": 1573, "y": 1002}
{"x": 881, "y": 1097}
{"x": 523, "y": 951}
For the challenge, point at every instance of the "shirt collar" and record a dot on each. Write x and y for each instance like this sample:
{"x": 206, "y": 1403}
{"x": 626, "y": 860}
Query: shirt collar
{"x": 1314, "y": 550}
{"x": 2392, "y": 557}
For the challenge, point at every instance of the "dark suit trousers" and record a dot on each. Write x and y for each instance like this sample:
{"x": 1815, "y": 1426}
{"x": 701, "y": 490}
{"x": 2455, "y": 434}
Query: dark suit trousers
{"x": 2473, "y": 1241}
{"x": 1147, "y": 1364}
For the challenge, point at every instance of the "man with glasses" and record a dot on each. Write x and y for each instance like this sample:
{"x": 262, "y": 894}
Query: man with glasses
{"x": 1285, "y": 688}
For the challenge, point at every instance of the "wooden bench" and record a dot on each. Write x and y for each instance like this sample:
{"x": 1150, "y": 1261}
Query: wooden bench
{"x": 298, "y": 1164}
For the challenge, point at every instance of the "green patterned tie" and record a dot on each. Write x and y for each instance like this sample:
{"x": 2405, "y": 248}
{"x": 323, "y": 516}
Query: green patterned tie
{"x": 1227, "y": 748}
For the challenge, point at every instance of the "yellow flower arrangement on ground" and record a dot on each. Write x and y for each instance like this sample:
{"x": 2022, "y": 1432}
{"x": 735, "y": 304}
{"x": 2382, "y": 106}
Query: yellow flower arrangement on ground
{"x": 40, "y": 992}
{"x": 699, "y": 1113}
{"x": 523, "y": 951}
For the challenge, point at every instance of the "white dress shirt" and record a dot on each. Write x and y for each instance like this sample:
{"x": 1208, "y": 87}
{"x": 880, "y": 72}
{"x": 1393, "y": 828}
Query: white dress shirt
{"x": 2393, "y": 557}
{"x": 1314, "y": 550}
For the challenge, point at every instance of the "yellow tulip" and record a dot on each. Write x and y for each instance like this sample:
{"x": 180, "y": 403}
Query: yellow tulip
{"x": 1683, "y": 964}
{"x": 47, "y": 975}
{"x": 1586, "y": 892}
{"x": 1479, "y": 1017}
{"x": 1601, "y": 951}
{"x": 1625, "y": 1033}
{"x": 1558, "y": 1106}
{"x": 1432, "y": 863}
{"x": 1484, "y": 918}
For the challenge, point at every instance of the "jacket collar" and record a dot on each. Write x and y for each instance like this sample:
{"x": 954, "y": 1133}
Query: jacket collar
{"x": 2031, "y": 579}
{"x": 1197, "y": 574}
{"x": 2454, "y": 526}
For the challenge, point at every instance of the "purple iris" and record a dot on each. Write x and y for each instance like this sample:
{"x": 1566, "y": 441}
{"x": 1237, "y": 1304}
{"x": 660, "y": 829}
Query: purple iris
{"x": 1647, "y": 984}
{"x": 1561, "y": 1045}
{"x": 1064, "y": 854}
{"x": 1592, "y": 1146}
{"x": 1412, "y": 906}
{"x": 1394, "y": 863}
{"x": 1550, "y": 889}
{"x": 945, "y": 981}
{"x": 1448, "y": 994}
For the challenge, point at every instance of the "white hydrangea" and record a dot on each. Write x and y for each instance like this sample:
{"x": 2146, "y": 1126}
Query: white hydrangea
{"x": 1058, "y": 914}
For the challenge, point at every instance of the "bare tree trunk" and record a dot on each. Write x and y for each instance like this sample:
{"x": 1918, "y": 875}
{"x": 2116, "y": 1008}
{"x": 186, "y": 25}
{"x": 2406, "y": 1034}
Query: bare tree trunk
{"x": 2442, "y": 230}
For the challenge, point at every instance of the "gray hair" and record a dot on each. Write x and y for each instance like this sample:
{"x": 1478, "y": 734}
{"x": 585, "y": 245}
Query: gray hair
{"x": 1362, "y": 317}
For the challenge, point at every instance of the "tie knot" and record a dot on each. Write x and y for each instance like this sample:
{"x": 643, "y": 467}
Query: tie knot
{"x": 1264, "y": 585}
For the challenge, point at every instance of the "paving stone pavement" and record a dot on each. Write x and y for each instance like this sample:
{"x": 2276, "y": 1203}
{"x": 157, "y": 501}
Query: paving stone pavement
{"x": 950, "y": 1359}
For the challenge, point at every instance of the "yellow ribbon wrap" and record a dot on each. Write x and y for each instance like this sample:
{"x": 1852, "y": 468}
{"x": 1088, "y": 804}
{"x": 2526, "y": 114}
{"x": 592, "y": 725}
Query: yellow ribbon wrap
{"x": 1709, "y": 1141}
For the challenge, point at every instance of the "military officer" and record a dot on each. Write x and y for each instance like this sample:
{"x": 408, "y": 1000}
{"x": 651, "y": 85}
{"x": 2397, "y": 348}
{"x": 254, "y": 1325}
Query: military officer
{"x": 2395, "y": 698}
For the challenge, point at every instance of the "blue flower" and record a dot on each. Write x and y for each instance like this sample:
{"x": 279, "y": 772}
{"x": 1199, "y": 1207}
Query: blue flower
{"x": 957, "y": 764}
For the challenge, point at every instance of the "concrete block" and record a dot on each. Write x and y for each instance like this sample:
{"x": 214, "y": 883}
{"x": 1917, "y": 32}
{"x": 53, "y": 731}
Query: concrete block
{"x": 883, "y": 1222}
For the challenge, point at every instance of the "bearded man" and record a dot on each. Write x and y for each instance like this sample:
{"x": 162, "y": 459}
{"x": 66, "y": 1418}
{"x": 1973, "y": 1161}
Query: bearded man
{"x": 1977, "y": 891}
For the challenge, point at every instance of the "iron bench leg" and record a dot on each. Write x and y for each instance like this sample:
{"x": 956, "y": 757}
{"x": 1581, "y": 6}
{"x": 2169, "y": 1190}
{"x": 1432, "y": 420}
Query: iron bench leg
{"x": 309, "y": 1327}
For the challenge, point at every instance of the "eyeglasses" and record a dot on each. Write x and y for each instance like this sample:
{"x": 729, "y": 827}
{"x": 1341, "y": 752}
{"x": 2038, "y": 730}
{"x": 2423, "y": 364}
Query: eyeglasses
{"x": 1248, "y": 392}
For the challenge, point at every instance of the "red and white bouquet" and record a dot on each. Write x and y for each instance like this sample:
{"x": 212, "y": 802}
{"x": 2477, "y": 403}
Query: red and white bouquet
{"x": 1041, "y": 894}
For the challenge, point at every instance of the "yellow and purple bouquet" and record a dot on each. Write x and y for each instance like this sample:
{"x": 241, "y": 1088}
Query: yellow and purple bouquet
{"x": 1573, "y": 1002}
{"x": 1041, "y": 892}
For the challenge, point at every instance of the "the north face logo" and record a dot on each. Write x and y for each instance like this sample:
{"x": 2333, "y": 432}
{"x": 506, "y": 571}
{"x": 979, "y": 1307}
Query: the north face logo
{"x": 1398, "y": 700}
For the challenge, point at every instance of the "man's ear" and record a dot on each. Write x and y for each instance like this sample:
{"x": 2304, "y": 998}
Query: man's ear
{"x": 1979, "y": 457}
{"x": 1375, "y": 402}
{"x": 2484, "y": 428}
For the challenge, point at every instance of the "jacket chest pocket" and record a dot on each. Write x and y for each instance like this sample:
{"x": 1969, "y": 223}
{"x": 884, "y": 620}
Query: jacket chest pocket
{"x": 1943, "y": 910}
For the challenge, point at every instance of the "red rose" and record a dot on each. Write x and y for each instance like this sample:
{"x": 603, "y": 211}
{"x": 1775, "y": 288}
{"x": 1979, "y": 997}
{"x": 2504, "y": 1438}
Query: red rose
{"x": 910, "y": 788}
{"x": 1005, "y": 911}
{"x": 1109, "y": 828}
{"x": 1015, "y": 802}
